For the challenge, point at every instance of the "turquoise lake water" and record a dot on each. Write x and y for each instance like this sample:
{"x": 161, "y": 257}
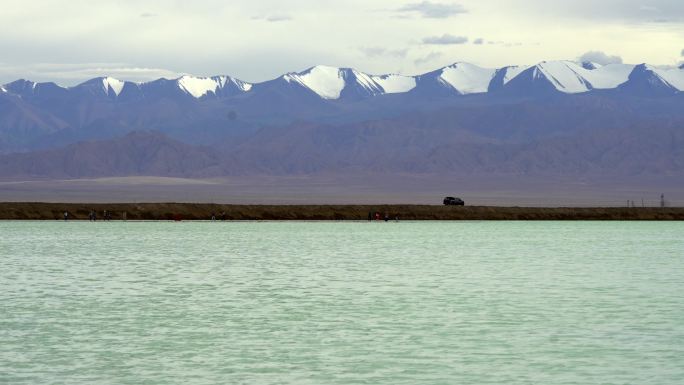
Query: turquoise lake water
{"x": 342, "y": 303}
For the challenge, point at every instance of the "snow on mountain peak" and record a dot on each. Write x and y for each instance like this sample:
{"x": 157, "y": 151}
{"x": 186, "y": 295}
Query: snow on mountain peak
{"x": 115, "y": 85}
{"x": 395, "y": 84}
{"x": 464, "y": 78}
{"x": 607, "y": 76}
{"x": 467, "y": 78}
{"x": 330, "y": 82}
{"x": 367, "y": 82}
{"x": 564, "y": 75}
{"x": 511, "y": 72}
{"x": 572, "y": 78}
{"x": 198, "y": 87}
{"x": 673, "y": 76}
{"x": 327, "y": 82}
{"x": 201, "y": 86}
{"x": 243, "y": 86}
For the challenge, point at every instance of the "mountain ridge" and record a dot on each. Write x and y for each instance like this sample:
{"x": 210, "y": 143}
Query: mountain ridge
{"x": 553, "y": 118}
{"x": 330, "y": 82}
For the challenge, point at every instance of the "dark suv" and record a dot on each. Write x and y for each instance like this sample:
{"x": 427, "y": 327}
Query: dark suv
{"x": 451, "y": 201}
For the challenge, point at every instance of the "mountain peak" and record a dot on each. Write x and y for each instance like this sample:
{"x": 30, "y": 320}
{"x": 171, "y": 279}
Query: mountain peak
{"x": 325, "y": 81}
{"x": 197, "y": 86}
{"x": 467, "y": 78}
{"x": 106, "y": 85}
{"x": 394, "y": 84}
{"x": 649, "y": 80}
{"x": 21, "y": 83}
{"x": 115, "y": 85}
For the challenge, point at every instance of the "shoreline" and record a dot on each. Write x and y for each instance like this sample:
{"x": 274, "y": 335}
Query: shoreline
{"x": 203, "y": 211}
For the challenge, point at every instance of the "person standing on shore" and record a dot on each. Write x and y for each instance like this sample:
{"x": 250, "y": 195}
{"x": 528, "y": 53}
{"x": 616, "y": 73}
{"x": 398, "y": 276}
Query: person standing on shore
{"x": 66, "y": 216}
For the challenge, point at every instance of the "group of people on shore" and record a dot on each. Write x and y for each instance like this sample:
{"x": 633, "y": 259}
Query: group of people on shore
{"x": 92, "y": 215}
{"x": 378, "y": 217}
{"x": 221, "y": 216}
{"x": 106, "y": 215}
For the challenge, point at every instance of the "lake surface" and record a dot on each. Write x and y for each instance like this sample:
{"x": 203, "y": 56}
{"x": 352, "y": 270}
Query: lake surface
{"x": 342, "y": 303}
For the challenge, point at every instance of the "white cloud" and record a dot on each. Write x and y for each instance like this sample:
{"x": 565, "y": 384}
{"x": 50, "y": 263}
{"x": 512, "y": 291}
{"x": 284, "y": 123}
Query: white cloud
{"x": 429, "y": 58}
{"x": 374, "y": 52}
{"x": 68, "y": 74}
{"x": 600, "y": 58}
{"x": 445, "y": 39}
{"x": 273, "y": 18}
{"x": 432, "y": 10}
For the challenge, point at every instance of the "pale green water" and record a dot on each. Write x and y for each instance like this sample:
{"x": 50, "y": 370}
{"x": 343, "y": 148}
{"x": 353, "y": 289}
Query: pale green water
{"x": 342, "y": 303}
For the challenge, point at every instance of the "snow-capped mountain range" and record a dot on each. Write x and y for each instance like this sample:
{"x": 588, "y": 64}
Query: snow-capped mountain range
{"x": 331, "y": 83}
{"x": 306, "y": 116}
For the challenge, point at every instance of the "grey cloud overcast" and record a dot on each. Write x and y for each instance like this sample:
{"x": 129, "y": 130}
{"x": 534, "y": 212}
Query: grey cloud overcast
{"x": 625, "y": 10}
{"x": 445, "y": 39}
{"x": 144, "y": 39}
{"x": 434, "y": 10}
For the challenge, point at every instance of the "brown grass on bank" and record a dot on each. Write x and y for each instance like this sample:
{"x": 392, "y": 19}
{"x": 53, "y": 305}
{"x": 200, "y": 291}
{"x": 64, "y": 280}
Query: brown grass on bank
{"x": 197, "y": 211}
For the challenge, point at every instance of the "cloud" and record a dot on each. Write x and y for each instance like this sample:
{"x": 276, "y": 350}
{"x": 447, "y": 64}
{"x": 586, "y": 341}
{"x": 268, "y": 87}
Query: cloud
{"x": 432, "y": 10}
{"x": 326, "y": 31}
{"x": 632, "y": 11}
{"x": 374, "y": 52}
{"x": 478, "y": 41}
{"x": 432, "y": 56}
{"x": 277, "y": 18}
{"x": 445, "y": 39}
{"x": 273, "y": 18}
{"x": 600, "y": 57}
{"x": 73, "y": 73}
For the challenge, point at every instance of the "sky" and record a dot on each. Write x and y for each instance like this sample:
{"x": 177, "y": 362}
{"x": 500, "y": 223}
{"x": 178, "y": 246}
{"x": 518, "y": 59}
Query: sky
{"x": 69, "y": 41}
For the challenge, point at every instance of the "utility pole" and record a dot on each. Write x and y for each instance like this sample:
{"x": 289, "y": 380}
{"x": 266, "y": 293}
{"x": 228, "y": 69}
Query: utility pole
{"x": 662, "y": 200}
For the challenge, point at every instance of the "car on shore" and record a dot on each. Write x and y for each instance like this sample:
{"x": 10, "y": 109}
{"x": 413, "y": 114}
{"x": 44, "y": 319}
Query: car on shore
{"x": 451, "y": 201}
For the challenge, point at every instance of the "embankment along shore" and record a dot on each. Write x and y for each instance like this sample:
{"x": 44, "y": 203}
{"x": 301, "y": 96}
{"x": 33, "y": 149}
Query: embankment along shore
{"x": 191, "y": 211}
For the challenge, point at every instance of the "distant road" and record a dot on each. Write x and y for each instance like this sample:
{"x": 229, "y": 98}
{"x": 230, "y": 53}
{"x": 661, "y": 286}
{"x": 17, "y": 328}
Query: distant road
{"x": 190, "y": 211}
